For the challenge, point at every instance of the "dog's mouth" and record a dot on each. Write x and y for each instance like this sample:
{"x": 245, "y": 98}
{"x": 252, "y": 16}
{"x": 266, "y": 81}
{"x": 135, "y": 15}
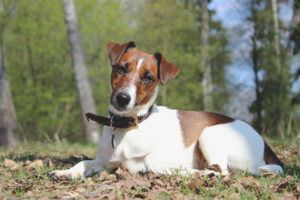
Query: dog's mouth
{"x": 121, "y": 111}
{"x": 120, "y": 104}
{"x": 118, "y": 108}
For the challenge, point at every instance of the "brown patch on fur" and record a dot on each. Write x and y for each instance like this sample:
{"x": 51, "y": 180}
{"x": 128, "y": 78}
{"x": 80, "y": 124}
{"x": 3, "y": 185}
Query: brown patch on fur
{"x": 116, "y": 51}
{"x": 155, "y": 65}
{"x": 270, "y": 157}
{"x": 200, "y": 161}
{"x": 143, "y": 91}
{"x": 215, "y": 167}
{"x": 192, "y": 124}
{"x": 167, "y": 70}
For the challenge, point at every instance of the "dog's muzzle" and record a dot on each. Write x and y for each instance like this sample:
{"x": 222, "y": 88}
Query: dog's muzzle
{"x": 122, "y": 100}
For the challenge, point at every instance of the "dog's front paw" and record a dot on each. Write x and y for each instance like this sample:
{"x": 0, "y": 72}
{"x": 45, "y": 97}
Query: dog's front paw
{"x": 63, "y": 175}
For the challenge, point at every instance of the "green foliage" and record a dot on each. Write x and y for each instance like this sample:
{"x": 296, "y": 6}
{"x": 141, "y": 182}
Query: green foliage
{"x": 169, "y": 27}
{"x": 276, "y": 78}
{"x": 39, "y": 63}
{"x": 165, "y": 26}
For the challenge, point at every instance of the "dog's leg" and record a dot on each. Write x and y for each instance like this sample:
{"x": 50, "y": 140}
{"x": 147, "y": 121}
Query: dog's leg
{"x": 80, "y": 170}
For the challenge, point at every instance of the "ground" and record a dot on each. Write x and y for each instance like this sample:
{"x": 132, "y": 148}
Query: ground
{"x": 23, "y": 174}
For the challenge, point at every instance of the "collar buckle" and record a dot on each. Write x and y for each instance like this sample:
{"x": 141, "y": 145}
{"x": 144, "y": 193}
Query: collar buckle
{"x": 136, "y": 122}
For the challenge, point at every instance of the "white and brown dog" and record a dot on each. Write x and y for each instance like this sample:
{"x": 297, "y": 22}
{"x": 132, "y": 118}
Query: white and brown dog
{"x": 141, "y": 136}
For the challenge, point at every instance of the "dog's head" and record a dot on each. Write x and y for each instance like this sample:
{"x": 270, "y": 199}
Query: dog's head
{"x": 134, "y": 78}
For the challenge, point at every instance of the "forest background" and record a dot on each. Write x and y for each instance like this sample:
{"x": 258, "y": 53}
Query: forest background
{"x": 237, "y": 57}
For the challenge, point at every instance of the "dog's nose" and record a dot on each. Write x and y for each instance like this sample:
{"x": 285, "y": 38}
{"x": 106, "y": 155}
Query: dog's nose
{"x": 123, "y": 99}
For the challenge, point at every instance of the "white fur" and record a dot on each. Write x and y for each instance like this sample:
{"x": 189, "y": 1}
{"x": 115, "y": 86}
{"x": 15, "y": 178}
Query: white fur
{"x": 157, "y": 146}
{"x": 235, "y": 145}
{"x": 271, "y": 168}
{"x": 140, "y": 150}
{"x": 139, "y": 64}
{"x": 131, "y": 89}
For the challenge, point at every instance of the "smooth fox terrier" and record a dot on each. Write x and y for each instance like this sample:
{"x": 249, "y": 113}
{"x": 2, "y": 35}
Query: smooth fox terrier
{"x": 141, "y": 136}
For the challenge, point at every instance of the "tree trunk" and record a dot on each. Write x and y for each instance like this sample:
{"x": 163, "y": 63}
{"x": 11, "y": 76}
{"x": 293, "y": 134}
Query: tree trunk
{"x": 8, "y": 120}
{"x": 278, "y": 66}
{"x": 83, "y": 86}
{"x": 254, "y": 57}
{"x": 276, "y": 27}
{"x": 207, "y": 79}
{"x": 295, "y": 23}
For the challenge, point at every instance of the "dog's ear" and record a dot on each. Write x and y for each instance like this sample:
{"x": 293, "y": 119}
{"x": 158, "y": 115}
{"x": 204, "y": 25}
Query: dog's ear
{"x": 115, "y": 51}
{"x": 166, "y": 70}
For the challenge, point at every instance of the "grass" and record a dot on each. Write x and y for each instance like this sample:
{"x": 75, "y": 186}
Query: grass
{"x": 23, "y": 174}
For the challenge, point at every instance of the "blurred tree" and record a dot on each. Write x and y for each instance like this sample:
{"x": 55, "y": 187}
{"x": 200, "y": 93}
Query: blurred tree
{"x": 8, "y": 120}
{"x": 271, "y": 69}
{"x": 293, "y": 44}
{"x": 257, "y": 104}
{"x": 39, "y": 66}
{"x": 167, "y": 27}
{"x": 172, "y": 27}
{"x": 39, "y": 69}
{"x": 83, "y": 86}
{"x": 205, "y": 60}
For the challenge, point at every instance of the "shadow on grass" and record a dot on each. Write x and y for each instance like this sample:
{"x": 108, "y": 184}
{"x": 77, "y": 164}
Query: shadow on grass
{"x": 73, "y": 159}
{"x": 293, "y": 171}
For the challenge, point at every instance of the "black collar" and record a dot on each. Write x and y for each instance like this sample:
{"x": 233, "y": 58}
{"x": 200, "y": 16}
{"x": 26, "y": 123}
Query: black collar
{"x": 115, "y": 121}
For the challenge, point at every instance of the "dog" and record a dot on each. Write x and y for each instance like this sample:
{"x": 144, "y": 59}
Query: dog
{"x": 143, "y": 137}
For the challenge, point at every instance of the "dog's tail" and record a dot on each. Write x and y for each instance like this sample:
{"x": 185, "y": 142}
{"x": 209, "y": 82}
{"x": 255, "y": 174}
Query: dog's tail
{"x": 273, "y": 168}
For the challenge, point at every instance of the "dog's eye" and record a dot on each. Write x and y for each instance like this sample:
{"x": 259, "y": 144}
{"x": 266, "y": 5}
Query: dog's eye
{"x": 121, "y": 69}
{"x": 147, "y": 79}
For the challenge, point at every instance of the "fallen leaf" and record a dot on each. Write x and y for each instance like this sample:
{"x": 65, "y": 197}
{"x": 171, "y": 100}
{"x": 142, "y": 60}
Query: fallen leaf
{"x": 234, "y": 196}
{"x": 287, "y": 196}
{"x": 103, "y": 176}
{"x": 289, "y": 178}
{"x": 201, "y": 173}
{"x": 110, "y": 195}
{"x": 91, "y": 195}
{"x": 196, "y": 184}
{"x": 30, "y": 194}
{"x": 36, "y": 165}
{"x": 226, "y": 179}
{"x": 111, "y": 177}
{"x": 122, "y": 173}
{"x": 283, "y": 186}
{"x": 158, "y": 182}
{"x": 80, "y": 190}
{"x": 238, "y": 187}
{"x": 105, "y": 187}
{"x": 10, "y": 164}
